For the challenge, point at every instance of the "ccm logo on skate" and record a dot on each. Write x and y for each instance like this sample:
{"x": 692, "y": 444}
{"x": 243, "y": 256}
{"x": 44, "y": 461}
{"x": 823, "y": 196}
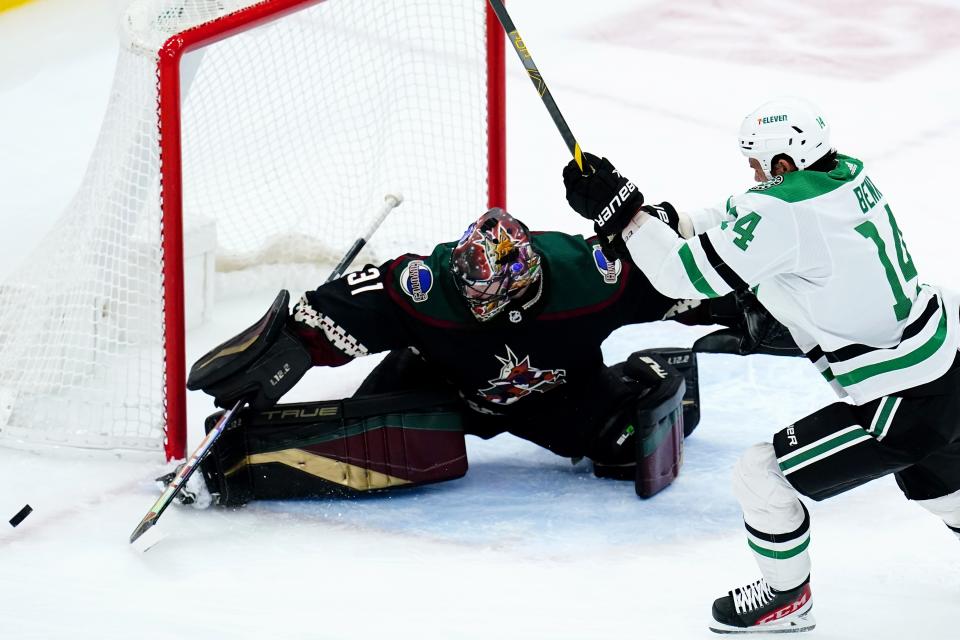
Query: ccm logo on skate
{"x": 278, "y": 376}
{"x": 617, "y": 201}
{"x": 783, "y": 612}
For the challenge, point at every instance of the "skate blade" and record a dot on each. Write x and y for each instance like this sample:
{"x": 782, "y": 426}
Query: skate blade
{"x": 804, "y": 622}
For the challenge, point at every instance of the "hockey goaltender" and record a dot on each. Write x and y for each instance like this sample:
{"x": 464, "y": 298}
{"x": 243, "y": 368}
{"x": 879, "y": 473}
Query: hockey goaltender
{"x": 498, "y": 332}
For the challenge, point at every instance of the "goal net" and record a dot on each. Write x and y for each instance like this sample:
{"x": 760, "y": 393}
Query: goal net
{"x": 281, "y": 122}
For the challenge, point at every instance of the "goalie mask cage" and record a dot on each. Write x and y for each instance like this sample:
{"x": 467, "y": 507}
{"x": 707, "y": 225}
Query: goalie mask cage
{"x": 285, "y": 122}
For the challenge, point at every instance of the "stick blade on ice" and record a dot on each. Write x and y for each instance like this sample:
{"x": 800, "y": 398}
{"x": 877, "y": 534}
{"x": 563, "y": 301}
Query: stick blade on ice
{"x": 148, "y": 521}
{"x": 148, "y": 538}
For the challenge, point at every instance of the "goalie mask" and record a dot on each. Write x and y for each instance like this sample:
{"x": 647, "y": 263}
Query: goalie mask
{"x": 494, "y": 263}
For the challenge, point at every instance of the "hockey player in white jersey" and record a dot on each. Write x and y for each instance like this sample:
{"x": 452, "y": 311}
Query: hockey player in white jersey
{"x": 818, "y": 243}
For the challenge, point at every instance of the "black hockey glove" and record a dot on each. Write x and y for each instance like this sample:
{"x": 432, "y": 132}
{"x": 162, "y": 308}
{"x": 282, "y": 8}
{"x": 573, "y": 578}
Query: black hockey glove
{"x": 258, "y": 365}
{"x": 752, "y": 329}
{"x": 603, "y": 196}
{"x": 666, "y": 213}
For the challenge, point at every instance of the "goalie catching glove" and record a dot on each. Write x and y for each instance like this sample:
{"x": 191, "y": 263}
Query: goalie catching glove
{"x": 750, "y": 327}
{"x": 258, "y": 365}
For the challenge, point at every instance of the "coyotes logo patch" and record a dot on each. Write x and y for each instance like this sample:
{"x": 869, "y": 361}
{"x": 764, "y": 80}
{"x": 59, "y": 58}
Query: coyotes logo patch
{"x": 518, "y": 379}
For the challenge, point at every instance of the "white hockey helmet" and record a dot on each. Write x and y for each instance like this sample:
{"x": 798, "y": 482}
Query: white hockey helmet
{"x": 791, "y": 126}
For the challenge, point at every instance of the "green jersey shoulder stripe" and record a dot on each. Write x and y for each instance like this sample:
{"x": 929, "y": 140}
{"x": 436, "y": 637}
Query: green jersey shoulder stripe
{"x": 797, "y": 186}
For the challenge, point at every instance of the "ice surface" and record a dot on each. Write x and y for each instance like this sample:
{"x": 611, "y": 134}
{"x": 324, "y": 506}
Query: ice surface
{"x": 526, "y": 545}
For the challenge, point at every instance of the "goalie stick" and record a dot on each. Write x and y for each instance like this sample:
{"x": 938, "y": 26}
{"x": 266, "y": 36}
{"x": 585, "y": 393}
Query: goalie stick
{"x": 537, "y": 78}
{"x": 391, "y": 201}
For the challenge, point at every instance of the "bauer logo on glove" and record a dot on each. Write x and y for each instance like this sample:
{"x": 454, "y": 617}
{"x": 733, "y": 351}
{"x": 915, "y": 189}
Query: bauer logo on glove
{"x": 603, "y": 195}
{"x": 617, "y": 202}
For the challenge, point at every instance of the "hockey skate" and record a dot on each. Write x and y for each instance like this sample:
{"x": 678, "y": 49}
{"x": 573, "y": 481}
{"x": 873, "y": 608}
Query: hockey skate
{"x": 194, "y": 493}
{"x": 756, "y": 608}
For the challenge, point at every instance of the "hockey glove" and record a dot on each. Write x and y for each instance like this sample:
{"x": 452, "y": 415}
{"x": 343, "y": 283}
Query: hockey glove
{"x": 614, "y": 247}
{"x": 752, "y": 329}
{"x": 666, "y": 213}
{"x": 603, "y": 196}
{"x": 258, "y": 365}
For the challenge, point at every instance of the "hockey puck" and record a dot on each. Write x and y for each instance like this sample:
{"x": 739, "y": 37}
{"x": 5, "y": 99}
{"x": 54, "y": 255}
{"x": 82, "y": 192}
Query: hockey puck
{"x": 21, "y": 515}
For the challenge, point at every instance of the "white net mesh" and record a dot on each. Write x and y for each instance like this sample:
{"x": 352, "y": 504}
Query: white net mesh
{"x": 292, "y": 134}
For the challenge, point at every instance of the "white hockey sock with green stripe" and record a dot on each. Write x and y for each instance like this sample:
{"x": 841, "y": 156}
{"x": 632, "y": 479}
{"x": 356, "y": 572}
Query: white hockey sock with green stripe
{"x": 778, "y": 525}
{"x": 947, "y": 507}
{"x": 783, "y": 558}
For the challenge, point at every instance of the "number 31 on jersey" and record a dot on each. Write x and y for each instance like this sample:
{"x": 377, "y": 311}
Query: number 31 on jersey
{"x": 359, "y": 278}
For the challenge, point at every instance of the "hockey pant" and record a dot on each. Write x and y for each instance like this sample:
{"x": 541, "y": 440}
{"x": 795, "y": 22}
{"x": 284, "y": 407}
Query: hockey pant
{"x": 914, "y": 435}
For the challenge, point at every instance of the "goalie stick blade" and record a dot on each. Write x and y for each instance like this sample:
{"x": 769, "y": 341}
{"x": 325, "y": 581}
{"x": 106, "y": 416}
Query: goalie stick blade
{"x": 165, "y": 498}
{"x": 148, "y": 540}
{"x": 180, "y": 480}
{"x": 148, "y": 521}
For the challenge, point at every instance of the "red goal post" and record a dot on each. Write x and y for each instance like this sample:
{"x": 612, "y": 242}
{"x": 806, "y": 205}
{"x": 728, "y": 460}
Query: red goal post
{"x": 168, "y": 73}
{"x": 370, "y": 96}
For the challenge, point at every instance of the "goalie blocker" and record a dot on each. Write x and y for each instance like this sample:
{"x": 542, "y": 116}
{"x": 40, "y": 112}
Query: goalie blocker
{"x": 382, "y": 442}
{"x": 655, "y": 418}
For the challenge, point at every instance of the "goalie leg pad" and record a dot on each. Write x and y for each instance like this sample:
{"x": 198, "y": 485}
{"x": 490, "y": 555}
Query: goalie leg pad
{"x": 338, "y": 448}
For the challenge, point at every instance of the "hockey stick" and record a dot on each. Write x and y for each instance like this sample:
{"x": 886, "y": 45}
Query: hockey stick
{"x": 391, "y": 201}
{"x": 184, "y": 472}
{"x": 538, "y": 81}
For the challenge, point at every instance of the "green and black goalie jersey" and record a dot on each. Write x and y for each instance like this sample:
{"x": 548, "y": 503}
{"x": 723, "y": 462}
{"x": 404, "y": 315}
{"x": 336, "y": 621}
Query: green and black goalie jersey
{"x": 541, "y": 352}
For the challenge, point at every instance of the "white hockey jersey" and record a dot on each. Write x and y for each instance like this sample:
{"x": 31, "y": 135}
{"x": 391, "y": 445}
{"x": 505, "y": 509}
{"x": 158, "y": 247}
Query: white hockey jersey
{"x": 824, "y": 255}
